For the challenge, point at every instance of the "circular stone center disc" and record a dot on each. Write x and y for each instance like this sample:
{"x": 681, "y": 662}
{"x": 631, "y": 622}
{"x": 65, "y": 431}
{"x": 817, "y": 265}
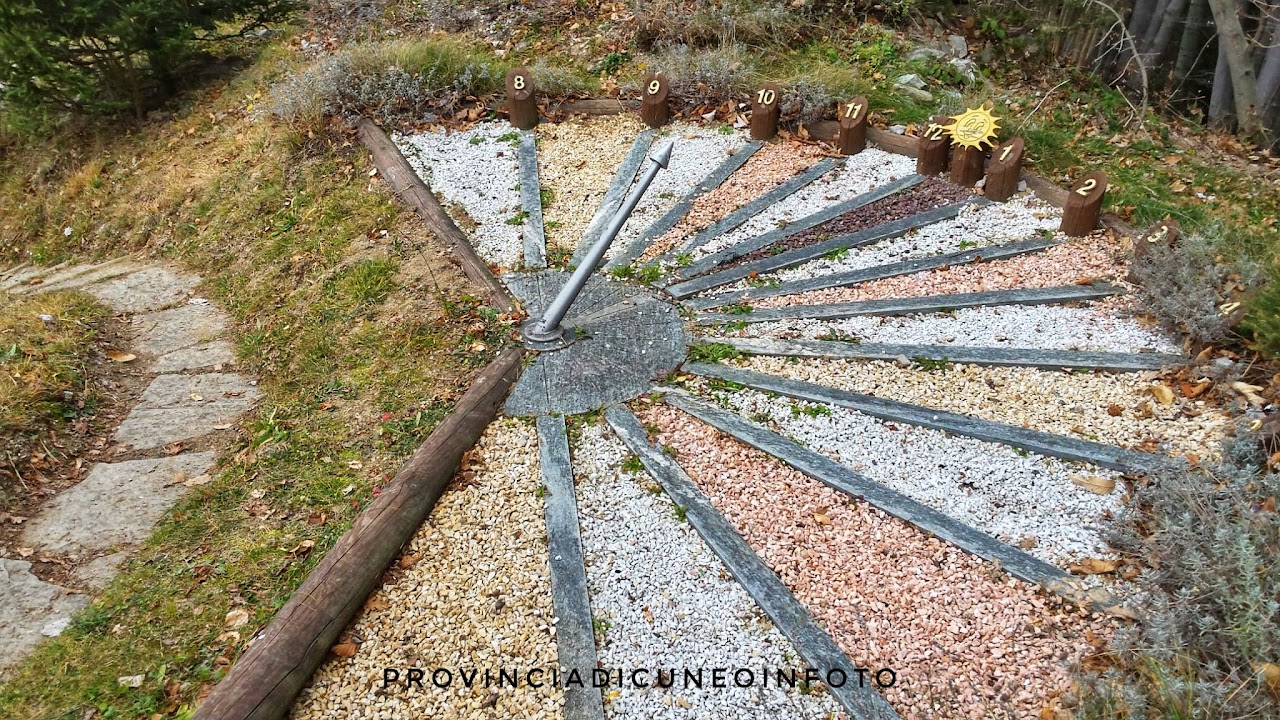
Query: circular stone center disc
{"x": 625, "y": 338}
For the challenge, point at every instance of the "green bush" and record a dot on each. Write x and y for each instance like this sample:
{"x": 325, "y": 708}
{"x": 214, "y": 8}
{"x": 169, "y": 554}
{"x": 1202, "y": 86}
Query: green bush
{"x": 1262, "y": 323}
{"x": 111, "y": 55}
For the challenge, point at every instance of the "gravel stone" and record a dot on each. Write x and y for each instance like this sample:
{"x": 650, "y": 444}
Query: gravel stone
{"x": 965, "y": 641}
{"x": 473, "y": 592}
{"x": 576, "y": 162}
{"x": 1066, "y": 403}
{"x": 474, "y": 171}
{"x": 770, "y": 166}
{"x": 668, "y": 600}
{"x": 861, "y": 173}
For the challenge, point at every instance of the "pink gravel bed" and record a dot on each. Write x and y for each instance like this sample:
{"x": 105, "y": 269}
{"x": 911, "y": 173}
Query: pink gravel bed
{"x": 963, "y": 642}
{"x": 1071, "y": 262}
{"x": 769, "y": 167}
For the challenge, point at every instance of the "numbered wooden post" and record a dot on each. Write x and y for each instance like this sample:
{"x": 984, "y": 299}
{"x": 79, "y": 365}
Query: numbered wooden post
{"x": 966, "y": 165}
{"x": 655, "y": 105}
{"x": 853, "y": 126}
{"x": 764, "y": 112}
{"x": 1004, "y": 171}
{"x": 522, "y": 106}
{"x": 1166, "y": 232}
{"x": 931, "y": 153}
{"x": 1084, "y": 204}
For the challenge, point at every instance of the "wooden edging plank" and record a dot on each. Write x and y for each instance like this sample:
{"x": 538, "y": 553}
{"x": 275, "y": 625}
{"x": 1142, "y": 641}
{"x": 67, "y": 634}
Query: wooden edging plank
{"x": 617, "y": 192}
{"x": 756, "y": 577}
{"x": 799, "y": 256}
{"x": 669, "y": 219}
{"x": 831, "y": 473}
{"x": 1043, "y": 443}
{"x": 264, "y": 681}
{"x": 402, "y": 179}
{"x": 989, "y": 253}
{"x": 737, "y": 250}
{"x": 575, "y": 638}
{"x": 962, "y": 354}
{"x": 535, "y": 240}
{"x": 922, "y": 304}
{"x": 736, "y": 218}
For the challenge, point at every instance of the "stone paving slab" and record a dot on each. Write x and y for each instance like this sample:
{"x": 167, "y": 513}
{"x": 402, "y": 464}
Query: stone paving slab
{"x": 214, "y": 354}
{"x": 158, "y": 333}
{"x": 18, "y": 278}
{"x": 182, "y": 407}
{"x": 151, "y": 288}
{"x": 80, "y": 275}
{"x": 30, "y": 610}
{"x": 116, "y": 504}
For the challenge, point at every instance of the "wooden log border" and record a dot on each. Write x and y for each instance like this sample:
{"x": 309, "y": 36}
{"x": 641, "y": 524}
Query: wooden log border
{"x": 265, "y": 680}
{"x": 401, "y": 177}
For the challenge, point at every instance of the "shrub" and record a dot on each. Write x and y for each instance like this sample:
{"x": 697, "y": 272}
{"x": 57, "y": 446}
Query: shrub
{"x": 1210, "y": 538}
{"x": 103, "y": 55}
{"x": 703, "y": 75}
{"x": 1262, "y": 322}
{"x": 1187, "y": 284}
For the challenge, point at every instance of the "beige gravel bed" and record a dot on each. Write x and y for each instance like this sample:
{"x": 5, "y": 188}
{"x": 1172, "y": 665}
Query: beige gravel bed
{"x": 1096, "y": 258}
{"x": 964, "y": 640}
{"x": 1117, "y": 409}
{"x": 577, "y": 161}
{"x": 768, "y": 167}
{"x": 473, "y": 592}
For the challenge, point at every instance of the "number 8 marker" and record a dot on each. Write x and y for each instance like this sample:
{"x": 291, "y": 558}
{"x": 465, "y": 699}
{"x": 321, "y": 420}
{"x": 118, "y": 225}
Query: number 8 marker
{"x": 518, "y": 82}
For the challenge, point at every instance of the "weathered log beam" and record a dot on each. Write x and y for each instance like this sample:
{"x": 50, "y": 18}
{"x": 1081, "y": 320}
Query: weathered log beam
{"x": 400, "y": 176}
{"x": 265, "y": 680}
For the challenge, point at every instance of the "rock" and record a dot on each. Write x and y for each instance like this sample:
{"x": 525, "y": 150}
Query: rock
{"x": 914, "y": 93}
{"x": 898, "y": 129}
{"x": 926, "y": 52}
{"x": 911, "y": 80}
{"x": 967, "y": 68}
{"x": 902, "y": 361}
{"x": 959, "y": 47}
{"x": 30, "y": 609}
{"x": 181, "y": 407}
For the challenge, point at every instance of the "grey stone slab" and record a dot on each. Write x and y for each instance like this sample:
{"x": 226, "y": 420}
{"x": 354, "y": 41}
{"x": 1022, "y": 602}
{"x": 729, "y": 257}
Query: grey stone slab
{"x": 755, "y": 576}
{"x": 148, "y": 289}
{"x": 535, "y": 241}
{"x": 30, "y": 610}
{"x": 159, "y": 333}
{"x": 736, "y": 251}
{"x": 616, "y": 193}
{"x": 218, "y": 353}
{"x": 13, "y": 271}
{"x": 878, "y": 272}
{"x": 1059, "y": 446}
{"x": 575, "y": 637}
{"x": 96, "y": 573}
{"x": 829, "y": 472}
{"x": 923, "y": 304}
{"x": 669, "y": 219}
{"x": 182, "y": 407}
{"x": 82, "y": 275}
{"x": 626, "y": 338}
{"x": 20, "y": 280}
{"x": 735, "y": 219}
{"x": 115, "y": 504}
{"x": 992, "y": 356}
{"x": 791, "y": 258}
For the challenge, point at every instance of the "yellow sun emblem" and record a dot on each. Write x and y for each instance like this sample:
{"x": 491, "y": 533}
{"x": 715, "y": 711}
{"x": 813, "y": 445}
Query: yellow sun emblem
{"x": 973, "y": 128}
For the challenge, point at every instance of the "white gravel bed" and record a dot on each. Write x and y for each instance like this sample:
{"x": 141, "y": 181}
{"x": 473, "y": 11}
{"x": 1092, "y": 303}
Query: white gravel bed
{"x": 475, "y": 171}
{"x": 698, "y": 150}
{"x": 1050, "y": 327}
{"x": 1117, "y": 409}
{"x": 861, "y": 173}
{"x": 665, "y": 601}
{"x": 472, "y": 591}
{"x": 1022, "y": 498}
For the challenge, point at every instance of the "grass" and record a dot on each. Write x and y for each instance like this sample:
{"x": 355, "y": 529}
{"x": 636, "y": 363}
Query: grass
{"x": 362, "y": 341}
{"x": 43, "y": 372}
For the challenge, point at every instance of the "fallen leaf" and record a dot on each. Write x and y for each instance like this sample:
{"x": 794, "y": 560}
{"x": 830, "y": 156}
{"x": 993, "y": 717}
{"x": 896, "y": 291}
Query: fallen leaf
{"x": 376, "y": 603}
{"x": 1028, "y": 542}
{"x": 1162, "y": 393}
{"x": 1095, "y": 484}
{"x": 198, "y": 480}
{"x": 1114, "y": 410}
{"x": 345, "y": 650}
{"x": 1093, "y": 566}
{"x": 821, "y": 518}
{"x": 1269, "y": 673}
{"x": 355, "y": 465}
{"x": 130, "y": 681}
{"x": 238, "y": 617}
{"x": 25, "y": 552}
{"x": 197, "y": 398}
{"x": 121, "y": 356}
{"x": 304, "y": 548}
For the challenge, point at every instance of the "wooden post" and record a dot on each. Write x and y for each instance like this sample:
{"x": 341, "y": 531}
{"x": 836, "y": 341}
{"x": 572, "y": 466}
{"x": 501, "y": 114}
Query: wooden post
{"x": 764, "y": 112}
{"x": 1084, "y": 204}
{"x": 1004, "y": 171}
{"x": 966, "y": 165}
{"x": 655, "y": 105}
{"x": 853, "y": 126}
{"x": 1166, "y": 232}
{"x": 522, "y": 106}
{"x": 931, "y": 155}
{"x": 265, "y": 680}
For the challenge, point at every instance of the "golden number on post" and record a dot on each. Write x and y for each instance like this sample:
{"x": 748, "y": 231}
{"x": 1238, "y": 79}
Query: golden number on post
{"x": 1088, "y": 185}
{"x": 852, "y": 111}
{"x": 933, "y": 132}
{"x": 518, "y": 82}
{"x": 654, "y": 87}
{"x": 766, "y": 96}
{"x": 1005, "y": 155}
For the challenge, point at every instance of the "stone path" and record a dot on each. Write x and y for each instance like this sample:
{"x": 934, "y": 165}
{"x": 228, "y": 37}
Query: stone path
{"x": 95, "y": 525}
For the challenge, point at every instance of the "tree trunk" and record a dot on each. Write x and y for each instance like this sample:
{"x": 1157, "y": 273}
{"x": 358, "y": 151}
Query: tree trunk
{"x": 1190, "y": 46}
{"x": 1141, "y": 17}
{"x": 1148, "y": 34}
{"x": 1160, "y": 43}
{"x": 1244, "y": 81}
{"x": 1221, "y": 107}
{"x": 1269, "y": 74}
